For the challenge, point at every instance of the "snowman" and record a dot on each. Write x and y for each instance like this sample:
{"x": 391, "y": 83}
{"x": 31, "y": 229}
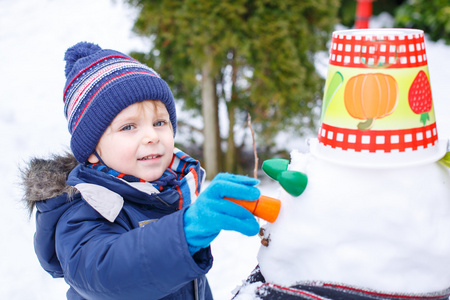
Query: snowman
{"x": 372, "y": 221}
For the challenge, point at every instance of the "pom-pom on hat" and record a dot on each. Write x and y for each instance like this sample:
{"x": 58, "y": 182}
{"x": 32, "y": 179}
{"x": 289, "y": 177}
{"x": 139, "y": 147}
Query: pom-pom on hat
{"x": 100, "y": 84}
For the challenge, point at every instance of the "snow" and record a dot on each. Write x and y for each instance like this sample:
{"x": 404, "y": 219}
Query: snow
{"x": 33, "y": 38}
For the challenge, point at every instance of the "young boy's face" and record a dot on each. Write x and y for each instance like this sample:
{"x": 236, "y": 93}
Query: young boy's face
{"x": 138, "y": 142}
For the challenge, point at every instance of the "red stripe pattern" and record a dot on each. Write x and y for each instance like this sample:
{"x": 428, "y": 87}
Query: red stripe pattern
{"x": 386, "y": 141}
{"x": 378, "y": 50}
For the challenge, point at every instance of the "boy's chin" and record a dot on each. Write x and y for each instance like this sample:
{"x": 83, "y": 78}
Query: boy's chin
{"x": 151, "y": 175}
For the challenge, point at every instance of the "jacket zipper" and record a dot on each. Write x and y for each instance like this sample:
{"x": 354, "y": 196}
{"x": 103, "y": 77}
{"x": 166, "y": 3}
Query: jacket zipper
{"x": 164, "y": 202}
{"x": 196, "y": 289}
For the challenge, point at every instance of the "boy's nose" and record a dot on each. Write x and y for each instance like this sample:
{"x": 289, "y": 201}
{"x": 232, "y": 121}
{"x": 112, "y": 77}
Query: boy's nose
{"x": 150, "y": 135}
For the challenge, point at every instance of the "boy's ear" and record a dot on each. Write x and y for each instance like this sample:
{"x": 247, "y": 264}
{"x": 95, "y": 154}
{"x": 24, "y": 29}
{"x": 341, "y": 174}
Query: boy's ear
{"x": 93, "y": 159}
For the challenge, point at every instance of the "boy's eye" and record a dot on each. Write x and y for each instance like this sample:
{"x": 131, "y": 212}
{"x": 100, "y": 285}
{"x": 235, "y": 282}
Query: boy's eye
{"x": 160, "y": 123}
{"x": 127, "y": 127}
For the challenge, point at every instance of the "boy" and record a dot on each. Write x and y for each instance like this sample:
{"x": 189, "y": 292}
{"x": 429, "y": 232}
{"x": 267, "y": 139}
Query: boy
{"x": 118, "y": 219}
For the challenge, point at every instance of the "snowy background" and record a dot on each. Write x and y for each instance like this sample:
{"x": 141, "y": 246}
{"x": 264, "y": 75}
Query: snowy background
{"x": 33, "y": 38}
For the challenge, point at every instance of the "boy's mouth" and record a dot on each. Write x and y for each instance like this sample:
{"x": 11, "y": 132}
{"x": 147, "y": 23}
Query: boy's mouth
{"x": 149, "y": 157}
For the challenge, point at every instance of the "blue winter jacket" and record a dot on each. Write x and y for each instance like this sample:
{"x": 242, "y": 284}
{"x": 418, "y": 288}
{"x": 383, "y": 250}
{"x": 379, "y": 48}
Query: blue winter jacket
{"x": 139, "y": 253}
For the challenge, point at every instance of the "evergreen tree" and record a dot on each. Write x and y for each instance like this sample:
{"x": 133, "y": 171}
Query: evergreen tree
{"x": 432, "y": 16}
{"x": 257, "y": 56}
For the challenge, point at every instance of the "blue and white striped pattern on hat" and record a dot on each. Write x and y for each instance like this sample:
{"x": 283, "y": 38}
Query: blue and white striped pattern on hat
{"x": 100, "y": 84}
{"x": 95, "y": 78}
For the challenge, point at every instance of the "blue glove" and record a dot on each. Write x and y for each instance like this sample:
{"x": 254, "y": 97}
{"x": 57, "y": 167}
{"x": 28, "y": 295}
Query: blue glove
{"x": 207, "y": 216}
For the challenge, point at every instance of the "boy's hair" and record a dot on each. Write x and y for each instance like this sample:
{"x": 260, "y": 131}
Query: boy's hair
{"x": 155, "y": 105}
{"x": 100, "y": 84}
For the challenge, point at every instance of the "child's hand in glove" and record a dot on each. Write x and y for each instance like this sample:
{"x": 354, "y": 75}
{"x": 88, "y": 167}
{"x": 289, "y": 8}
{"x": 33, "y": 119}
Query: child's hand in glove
{"x": 211, "y": 213}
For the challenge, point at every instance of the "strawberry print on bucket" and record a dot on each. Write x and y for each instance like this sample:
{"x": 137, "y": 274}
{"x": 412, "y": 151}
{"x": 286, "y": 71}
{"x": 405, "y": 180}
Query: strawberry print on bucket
{"x": 419, "y": 96}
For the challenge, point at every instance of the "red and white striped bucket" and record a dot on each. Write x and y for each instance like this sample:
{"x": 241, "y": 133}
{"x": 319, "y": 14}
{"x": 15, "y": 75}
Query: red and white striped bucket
{"x": 377, "y": 109}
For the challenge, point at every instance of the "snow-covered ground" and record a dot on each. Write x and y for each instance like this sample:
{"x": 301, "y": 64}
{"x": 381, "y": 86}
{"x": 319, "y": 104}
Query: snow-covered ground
{"x": 33, "y": 38}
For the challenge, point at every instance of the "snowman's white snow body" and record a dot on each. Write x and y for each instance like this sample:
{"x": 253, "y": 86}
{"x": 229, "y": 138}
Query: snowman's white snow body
{"x": 381, "y": 228}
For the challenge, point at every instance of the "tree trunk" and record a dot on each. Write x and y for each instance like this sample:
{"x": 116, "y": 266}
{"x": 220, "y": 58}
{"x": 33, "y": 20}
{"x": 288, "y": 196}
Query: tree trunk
{"x": 230, "y": 158}
{"x": 210, "y": 118}
{"x": 220, "y": 160}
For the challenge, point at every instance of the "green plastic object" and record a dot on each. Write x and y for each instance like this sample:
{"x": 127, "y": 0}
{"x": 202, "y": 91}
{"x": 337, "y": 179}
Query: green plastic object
{"x": 292, "y": 181}
{"x": 274, "y": 166}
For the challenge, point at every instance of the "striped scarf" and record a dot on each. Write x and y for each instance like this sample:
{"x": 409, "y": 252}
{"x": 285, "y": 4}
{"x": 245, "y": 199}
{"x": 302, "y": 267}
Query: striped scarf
{"x": 184, "y": 174}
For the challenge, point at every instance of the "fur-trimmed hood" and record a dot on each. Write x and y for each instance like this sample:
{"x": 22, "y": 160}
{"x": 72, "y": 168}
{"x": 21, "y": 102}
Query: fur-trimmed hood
{"x": 43, "y": 179}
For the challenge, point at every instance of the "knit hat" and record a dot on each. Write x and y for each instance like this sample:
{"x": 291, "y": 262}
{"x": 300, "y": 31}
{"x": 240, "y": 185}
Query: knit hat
{"x": 100, "y": 83}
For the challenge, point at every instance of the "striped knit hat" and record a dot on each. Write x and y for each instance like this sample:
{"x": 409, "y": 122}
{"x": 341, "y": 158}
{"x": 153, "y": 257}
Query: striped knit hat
{"x": 100, "y": 84}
